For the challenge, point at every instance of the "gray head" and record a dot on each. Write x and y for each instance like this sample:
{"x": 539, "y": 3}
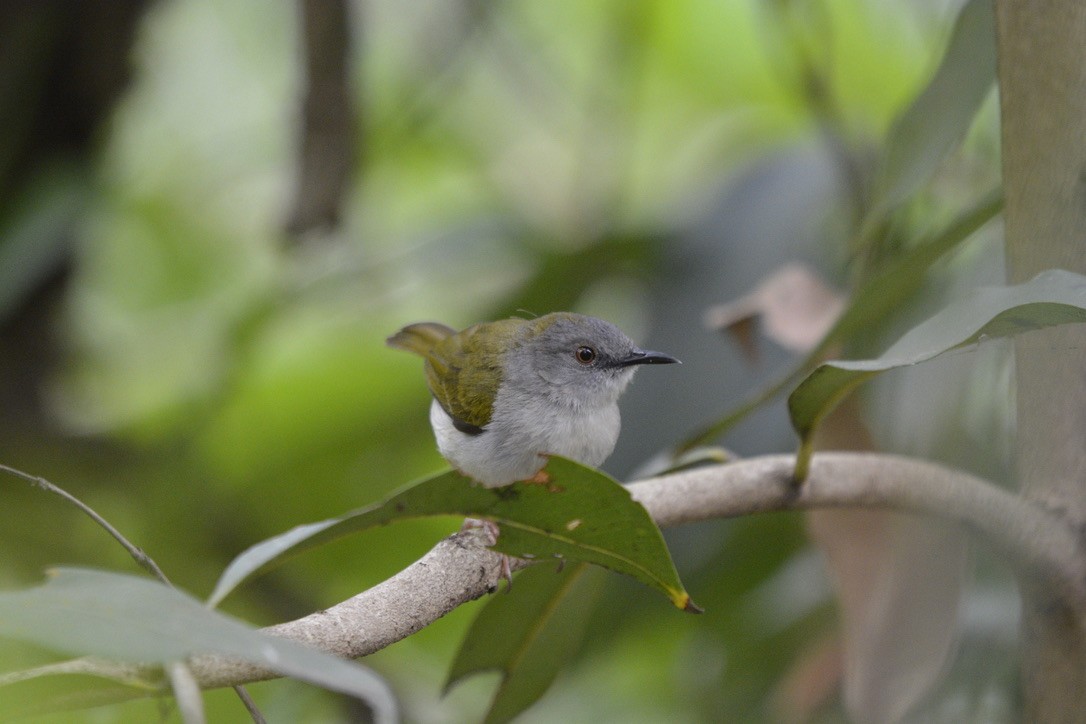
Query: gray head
{"x": 580, "y": 357}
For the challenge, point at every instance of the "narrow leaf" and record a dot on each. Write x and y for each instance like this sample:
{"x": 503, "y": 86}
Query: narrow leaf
{"x": 529, "y": 635}
{"x": 882, "y": 294}
{"x": 938, "y": 119}
{"x": 1051, "y": 298}
{"x": 129, "y": 618}
{"x": 579, "y": 514}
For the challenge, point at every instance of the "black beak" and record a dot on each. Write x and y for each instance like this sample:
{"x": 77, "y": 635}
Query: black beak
{"x": 643, "y": 357}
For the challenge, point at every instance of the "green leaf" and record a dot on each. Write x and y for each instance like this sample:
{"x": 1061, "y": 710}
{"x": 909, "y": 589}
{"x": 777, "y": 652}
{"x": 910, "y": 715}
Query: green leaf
{"x": 579, "y": 514}
{"x": 135, "y": 619}
{"x": 529, "y": 635}
{"x": 938, "y": 118}
{"x": 1051, "y": 298}
{"x": 883, "y": 293}
{"x": 186, "y": 692}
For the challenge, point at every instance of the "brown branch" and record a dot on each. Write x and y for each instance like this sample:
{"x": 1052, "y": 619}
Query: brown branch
{"x": 458, "y": 569}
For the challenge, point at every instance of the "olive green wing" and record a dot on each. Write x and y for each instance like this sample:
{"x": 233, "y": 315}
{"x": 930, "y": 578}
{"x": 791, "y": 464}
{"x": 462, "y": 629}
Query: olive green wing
{"x": 423, "y": 339}
{"x": 464, "y": 372}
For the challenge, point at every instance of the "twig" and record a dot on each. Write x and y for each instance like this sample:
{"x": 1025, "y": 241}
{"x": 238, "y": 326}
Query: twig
{"x": 141, "y": 558}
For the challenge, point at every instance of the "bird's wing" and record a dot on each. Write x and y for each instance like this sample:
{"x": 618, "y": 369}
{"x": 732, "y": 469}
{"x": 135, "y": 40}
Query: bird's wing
{"x": 465, "y": 370}
{"x": 443, "y": 367}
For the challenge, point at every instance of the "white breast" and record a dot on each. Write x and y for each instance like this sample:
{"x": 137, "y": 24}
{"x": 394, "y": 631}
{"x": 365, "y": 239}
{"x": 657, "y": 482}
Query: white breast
{"x": 522, "y": 429}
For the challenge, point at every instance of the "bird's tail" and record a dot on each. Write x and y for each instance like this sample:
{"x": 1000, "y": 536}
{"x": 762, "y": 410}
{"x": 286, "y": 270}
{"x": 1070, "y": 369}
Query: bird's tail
{"x": 419, "y": 338}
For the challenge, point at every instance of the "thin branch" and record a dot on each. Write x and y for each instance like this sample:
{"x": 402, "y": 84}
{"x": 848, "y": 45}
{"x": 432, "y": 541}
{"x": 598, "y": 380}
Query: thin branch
{"x": 250, "y": 706}
{"x": 142, "y": 559}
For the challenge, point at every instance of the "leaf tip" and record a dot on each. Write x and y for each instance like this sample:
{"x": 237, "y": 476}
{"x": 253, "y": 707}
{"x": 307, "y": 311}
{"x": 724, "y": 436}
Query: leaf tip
{"x": 803, "y": 460}
{"x": 683, "y": 601}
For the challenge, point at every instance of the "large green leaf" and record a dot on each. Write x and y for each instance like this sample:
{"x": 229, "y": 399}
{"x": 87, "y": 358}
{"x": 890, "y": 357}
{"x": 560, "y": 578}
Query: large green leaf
{"x": 135, "y": 619}
{"x": 578, "y": 514}
{"x": 1051, "y": 298}
{"x": 938, "y": 118}
{"x": 529, "y": 635}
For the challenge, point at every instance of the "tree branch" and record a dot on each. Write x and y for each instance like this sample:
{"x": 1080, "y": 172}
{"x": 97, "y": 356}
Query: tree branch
{"x": 460, "y": 568}
{"x": 1038, "y": 542}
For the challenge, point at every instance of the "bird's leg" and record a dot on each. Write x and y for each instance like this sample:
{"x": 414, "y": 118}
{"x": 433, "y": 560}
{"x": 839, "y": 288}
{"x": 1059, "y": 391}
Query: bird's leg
{"x": 491, "y": 530}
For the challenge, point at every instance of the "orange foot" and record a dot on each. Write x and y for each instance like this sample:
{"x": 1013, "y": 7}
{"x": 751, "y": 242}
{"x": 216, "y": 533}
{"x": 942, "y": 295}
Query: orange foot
{"x": 544, "y": 478}
{"x": 540, "y": 478}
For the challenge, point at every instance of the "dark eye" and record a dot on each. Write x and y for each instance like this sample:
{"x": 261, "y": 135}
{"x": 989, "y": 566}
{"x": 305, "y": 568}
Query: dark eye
{"x": 586, "y": 355}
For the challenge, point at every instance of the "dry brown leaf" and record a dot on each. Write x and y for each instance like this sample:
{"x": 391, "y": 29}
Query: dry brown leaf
{"x": 795, "y": 306}
{"x": 899, "y": 580}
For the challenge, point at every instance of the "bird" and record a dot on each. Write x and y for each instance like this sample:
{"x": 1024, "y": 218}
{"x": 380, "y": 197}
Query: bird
{"x": 509, "y": 393}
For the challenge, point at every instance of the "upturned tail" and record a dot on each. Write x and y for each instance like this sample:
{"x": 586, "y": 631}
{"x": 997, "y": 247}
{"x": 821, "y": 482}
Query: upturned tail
{"x": 420, "y": 338}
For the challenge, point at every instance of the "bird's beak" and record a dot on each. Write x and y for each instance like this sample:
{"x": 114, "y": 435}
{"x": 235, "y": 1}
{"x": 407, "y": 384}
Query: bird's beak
{"x": 645, "y": 357}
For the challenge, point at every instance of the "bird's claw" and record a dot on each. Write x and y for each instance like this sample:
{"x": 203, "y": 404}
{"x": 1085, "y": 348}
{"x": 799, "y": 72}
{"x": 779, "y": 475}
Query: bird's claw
{"x": 491, "y": 531}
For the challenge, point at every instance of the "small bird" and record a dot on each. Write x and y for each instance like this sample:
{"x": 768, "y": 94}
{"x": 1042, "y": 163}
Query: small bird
{"x": 507, "y": 393}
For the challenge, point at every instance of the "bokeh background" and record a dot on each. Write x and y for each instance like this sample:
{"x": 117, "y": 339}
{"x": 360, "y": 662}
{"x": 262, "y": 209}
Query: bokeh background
{"x": 213, "y": 212}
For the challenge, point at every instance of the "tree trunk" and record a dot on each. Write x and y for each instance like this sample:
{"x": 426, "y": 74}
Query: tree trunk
{"x": 1042, "y": 79}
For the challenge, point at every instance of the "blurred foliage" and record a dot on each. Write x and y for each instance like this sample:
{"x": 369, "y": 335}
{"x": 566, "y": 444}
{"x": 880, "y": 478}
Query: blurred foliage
{"x": 205, "y": 380}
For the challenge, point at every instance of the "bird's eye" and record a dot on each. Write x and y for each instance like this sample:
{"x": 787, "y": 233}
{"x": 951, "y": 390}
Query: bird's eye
{"x": 585, "y": 355}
